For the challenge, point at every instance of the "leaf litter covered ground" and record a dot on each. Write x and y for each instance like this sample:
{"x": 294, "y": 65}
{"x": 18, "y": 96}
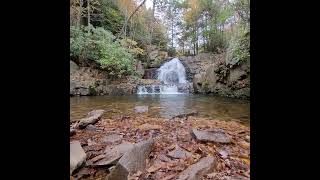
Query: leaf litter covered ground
{"x": 174, "y": 150}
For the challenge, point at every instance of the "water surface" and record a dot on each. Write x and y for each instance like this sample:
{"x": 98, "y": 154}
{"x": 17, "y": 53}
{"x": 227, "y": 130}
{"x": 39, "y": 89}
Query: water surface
{"x": 163, "y": 105}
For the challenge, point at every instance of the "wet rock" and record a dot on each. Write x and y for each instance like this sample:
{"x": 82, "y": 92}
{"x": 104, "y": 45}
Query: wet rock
{"x": 91, "y": 118}
{"x": 77, "y": 155}
{"x": 196, "y": 171}
{"x": 112, "y": 138}
{"x": 141, "y": 109}
{"x": 91, "y": 127}
{"x": 132, "y": 161}
{"x": 72, "y": 131}
{"x": 185, "y": 115}
{"x": 111, "y": 155}
{"x": 147, "y": 127}
{"x": 179, "y": 153}
{"x": 210, "y": 136}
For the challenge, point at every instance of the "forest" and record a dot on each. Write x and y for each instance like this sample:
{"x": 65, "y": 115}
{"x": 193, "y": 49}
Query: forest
{"x": 115, "y": 33}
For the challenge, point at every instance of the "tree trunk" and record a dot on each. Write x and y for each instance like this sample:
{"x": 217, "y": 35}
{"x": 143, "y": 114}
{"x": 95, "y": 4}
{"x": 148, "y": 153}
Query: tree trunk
{"x": 79, "y": 14}
{"x": 172, "y": 32}
{"x": 88, "y": 6}
{"x": 153, "y": 18}
{"x": 127, "y": 20}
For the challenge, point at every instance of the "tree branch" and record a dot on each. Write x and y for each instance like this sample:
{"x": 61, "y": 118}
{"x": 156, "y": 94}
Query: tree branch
{"x": 126, "y": 22}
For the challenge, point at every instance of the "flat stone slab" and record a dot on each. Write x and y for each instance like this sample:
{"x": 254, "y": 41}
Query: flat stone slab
{"x": 211, "y": 136}
{"x": 112, "y": 138}
{"x": 132, "y": 161}
{"x": 179, "y": 153}
{"x": 77, "y": 156}
{"x": 141, "y": 109}
{"x": 91, "y": 118}
{"x": 111, "y": 155}
{"x": 199, "y": 169}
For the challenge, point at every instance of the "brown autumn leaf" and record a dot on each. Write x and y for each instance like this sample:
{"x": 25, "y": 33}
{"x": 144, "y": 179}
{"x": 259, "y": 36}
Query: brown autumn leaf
{"x": 169, "y": 177}
{"x": 156, "y": 167}
{"x": 247, "y": 161}
{"x": 244, "y": 144}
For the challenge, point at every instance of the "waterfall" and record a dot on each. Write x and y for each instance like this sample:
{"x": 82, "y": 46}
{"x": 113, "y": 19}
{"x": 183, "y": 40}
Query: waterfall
{"x": 172, "y": 75}
{"x": 172, "y": 72}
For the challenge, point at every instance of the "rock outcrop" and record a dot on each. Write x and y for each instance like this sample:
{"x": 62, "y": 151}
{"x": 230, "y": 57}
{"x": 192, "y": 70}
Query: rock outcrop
{"x": 87, "y": 81}
{"x": 155, "y": 56}
{"x": 211, "y": 74}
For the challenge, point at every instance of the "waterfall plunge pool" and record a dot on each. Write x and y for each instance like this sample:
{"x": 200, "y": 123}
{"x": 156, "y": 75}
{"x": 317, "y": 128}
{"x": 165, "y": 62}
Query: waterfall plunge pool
{"x": 163, "y": 105}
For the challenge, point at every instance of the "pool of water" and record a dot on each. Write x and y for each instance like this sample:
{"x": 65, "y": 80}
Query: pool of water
{"x": 163, "y": 105}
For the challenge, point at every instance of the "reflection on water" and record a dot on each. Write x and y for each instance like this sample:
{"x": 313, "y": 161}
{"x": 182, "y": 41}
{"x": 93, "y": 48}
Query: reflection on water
{"x": 163, "y": 105}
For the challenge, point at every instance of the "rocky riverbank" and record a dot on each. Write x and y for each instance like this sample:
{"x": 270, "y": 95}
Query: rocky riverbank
{"x": 136, "y": 146}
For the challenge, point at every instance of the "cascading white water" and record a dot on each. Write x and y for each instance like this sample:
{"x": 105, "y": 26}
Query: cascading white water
{"x": 172, "y": 72}
{"x": 172, "y": 75}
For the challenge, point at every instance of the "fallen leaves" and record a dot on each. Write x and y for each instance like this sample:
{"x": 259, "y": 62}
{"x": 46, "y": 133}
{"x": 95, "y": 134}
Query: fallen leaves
{"x": 169, "y": 135}
{"x": 147, "y": 127}
{"x": 169, "y": 177}
{"x": 156, "y": 167}
{"x": 244, "y": 145}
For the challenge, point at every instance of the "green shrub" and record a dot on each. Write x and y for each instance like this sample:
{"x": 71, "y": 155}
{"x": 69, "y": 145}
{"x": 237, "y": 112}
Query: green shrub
{"x": 239, "y": 47}
{"x": 96, "y": 44}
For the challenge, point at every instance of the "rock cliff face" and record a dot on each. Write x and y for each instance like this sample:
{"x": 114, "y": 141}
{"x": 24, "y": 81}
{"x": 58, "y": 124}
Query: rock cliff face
{"x": 155, "y": 57}
{"x": 210, "y": 74}
{"x": 87, "y": 81}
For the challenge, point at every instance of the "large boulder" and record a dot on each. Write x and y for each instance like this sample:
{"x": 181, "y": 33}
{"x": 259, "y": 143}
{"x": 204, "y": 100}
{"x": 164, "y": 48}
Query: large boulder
{"x": 199, "y": 169}
{"x": 91, "y": 118}
{"x": 132, "y": 161}
{"x": 77, "y": 156}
